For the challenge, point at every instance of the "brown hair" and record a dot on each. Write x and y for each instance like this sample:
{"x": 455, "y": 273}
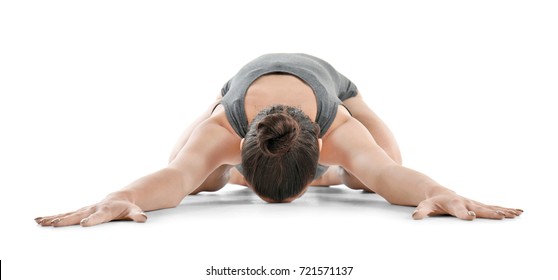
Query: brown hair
{"x": 280, "y": 152}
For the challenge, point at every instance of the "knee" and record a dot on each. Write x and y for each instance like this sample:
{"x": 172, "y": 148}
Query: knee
{"x": 219, "y": 178}
{"x": 215, "y": 181}
{"x": 351, "y": 181}
{"x": 235, "y": 177}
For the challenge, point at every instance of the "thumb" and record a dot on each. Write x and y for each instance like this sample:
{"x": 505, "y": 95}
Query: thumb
{"x": 423, "y": 210}
{"x": 137, "y": 215}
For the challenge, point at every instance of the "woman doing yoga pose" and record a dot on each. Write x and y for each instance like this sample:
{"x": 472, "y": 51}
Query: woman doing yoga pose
{"x": 282, "y": 123}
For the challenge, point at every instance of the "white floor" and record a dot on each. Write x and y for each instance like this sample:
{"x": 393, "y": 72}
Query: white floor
{"x": 331, "y": 226}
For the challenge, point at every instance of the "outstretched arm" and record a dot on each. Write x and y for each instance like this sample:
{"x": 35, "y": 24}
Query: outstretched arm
{"x": 209, "y": 146}
{"x": 355, "y": 150}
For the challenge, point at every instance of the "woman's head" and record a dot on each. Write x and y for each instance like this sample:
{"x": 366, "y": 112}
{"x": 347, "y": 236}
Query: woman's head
{"x": 280, "y": 153}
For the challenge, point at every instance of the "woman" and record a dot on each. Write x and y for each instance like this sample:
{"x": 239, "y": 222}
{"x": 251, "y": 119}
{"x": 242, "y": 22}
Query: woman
{"x": 282, "y": 123}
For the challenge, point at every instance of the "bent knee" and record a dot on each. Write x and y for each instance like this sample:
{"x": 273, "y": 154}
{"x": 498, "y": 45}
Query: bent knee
{"x": 215, "y": 181}
{"x": 235, "y": 177}
{"x": 351, "y": 181}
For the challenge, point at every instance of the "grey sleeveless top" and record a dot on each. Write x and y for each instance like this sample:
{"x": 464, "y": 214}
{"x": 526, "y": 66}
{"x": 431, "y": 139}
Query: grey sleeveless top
{"x": 329, "y": 86}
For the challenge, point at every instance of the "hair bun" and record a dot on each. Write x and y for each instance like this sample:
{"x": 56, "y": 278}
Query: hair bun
{"x": 276, "y": 133}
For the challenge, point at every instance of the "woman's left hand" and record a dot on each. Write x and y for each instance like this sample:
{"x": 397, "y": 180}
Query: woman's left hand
{"x": 461, "y": 207}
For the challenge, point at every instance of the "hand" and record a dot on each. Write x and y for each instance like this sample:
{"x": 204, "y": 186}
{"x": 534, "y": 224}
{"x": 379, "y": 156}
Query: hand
{"x": 461, "y": 207}
{"x": 107, "y": 210}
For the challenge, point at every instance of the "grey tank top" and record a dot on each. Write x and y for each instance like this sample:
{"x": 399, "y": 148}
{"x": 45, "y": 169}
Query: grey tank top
{"x": 330, "y": 87}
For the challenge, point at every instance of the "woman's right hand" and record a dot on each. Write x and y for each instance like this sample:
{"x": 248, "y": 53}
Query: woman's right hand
{"x": 109, "y": 209}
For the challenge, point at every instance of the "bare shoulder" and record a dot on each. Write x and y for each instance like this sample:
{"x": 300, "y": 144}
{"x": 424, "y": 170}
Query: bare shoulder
{"x": 219, "y": 117}
{"x": 348, "y": 142}
{"x": 357, "y": 106}
{"x": 212, "y": 141}
{"x": 341, "y": 117}
{"x": 218, "y": 129}
{"x": 353, "y": 107}
{"x": 335, "y": 141}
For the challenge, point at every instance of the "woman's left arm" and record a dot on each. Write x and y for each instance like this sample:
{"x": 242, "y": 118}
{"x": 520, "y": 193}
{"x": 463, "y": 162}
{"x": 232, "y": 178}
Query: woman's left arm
{"x": 352, "y": 147}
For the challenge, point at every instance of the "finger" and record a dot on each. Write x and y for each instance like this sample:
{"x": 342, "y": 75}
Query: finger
{"x": 39, "y": 219}
{"x": 505, "y": 212}
{"x": 460, "y": 211}
{"x": 47, "y": 221}
{"x": 99, "y": 217}
{"x": 487, "y": 212}
{"x": 501, "y": 211}
{"x": 509, "y": 212}
{"x": 136, "y": 214}
{"x": 423, "y": 210}
{"x": 421, "y": 213}
{"x": 72, "y": 219}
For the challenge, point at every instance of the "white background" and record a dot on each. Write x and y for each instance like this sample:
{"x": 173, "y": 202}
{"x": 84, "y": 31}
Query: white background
{"x": 94, "y": 94}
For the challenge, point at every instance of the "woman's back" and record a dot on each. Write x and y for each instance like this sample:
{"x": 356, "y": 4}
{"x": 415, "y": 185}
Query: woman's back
{"x": 313, "y": 75}
{"x": 279, "y": 89}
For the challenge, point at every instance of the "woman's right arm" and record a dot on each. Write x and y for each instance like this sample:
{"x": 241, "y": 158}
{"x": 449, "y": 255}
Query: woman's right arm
{"x": 210, "y": 146}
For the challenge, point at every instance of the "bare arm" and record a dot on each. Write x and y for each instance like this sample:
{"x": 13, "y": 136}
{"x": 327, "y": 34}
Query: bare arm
{"x": 379, "y": 130}
{"x": 188, "y": 131}
{"x": 355, "y": 150}
{"x": 209, "y": 146}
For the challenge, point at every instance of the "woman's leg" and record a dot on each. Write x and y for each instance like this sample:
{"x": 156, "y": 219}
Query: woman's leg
{"x": 377, "y": 128}
{"x": 337, "y": 175}
{"x": 188, "y": 131}
{"x": 329, "y": 178}
{"x": 236, "y": 177}
{"x": 216, "y": 180}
